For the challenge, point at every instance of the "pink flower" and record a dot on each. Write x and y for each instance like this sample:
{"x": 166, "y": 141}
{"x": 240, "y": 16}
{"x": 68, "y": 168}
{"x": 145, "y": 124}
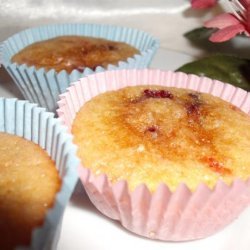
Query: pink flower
{"x": 203, "y": 4}
{"x": 230, "y": 25}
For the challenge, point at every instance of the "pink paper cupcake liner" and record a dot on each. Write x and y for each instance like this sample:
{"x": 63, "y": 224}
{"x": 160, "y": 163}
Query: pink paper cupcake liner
{"x": 170, "y": 216}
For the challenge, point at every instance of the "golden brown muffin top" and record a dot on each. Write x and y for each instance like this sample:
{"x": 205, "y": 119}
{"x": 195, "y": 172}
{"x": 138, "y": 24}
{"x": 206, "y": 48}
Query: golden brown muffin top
{"x": 154, "y": 134}
{"x": 29, "y": 182}
{"x": 74, "y": 52}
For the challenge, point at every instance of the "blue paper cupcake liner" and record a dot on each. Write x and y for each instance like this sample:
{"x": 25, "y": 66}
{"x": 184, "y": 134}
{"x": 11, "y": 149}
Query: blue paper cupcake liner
{"x": 24, "y": 119}
{"x": 43, "y": 87}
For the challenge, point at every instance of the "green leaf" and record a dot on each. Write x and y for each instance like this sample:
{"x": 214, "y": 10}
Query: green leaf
{"x": 226, "y": 68}
{"x": 199, "y": 38}
{"x": 199, "y": 34}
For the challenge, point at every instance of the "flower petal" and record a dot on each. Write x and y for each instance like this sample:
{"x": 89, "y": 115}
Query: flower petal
{"x": 202, "y": 4}
{"x": 245, "y": 3}
{"x": 222, "y": 21}
{"x": 227, "y": 33}
{"x": 248, "y": 20}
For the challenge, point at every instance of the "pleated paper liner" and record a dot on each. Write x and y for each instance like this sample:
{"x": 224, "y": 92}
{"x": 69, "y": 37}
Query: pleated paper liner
{"x": 1, "y": 52}
{"x": 43, "y": 87}
{"x": 24, "y": 119}
{"x": 170, "y": 216}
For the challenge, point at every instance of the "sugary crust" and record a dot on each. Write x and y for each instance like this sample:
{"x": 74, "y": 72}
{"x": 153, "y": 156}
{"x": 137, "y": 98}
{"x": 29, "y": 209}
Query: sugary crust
{"x": 74, "y": 52}
{"x": 29, "y": 182}
{"x": 154, "y": 134}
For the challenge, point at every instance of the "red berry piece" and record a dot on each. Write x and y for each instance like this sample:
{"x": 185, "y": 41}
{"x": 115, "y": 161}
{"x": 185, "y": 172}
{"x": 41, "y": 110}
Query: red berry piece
{"x": 152, "y": 129}
{"x": 193, "y": 108}
{"x": 158, "y": 94}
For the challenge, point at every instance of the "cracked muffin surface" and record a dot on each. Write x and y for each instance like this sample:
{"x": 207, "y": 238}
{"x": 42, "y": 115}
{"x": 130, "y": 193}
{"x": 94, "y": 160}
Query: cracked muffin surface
{"x": 155, "y": 134}
{"x": 74, "y": 52}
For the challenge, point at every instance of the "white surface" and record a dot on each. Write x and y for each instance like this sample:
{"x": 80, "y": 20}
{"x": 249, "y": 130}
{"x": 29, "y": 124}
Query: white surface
{"x": 85, "y": 228}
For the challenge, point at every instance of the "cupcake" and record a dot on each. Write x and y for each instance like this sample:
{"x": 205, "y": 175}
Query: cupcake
{"x": 38, "y": 174}
{"x": 74, "y": 53}
{"x": 23, "y": 165}
{"x": 171, "y": 160}
{"x": 42, "y": 70}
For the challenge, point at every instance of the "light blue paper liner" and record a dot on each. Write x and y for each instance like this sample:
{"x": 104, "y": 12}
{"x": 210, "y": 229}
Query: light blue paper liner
{"x": 43, "y": 87}
{"x": 24, "y": 119}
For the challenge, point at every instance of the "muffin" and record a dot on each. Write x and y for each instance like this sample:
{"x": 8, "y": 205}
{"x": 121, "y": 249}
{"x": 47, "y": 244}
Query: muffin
{"x": 164, "y": 160}
{"x": 74, "y": 52}
{"x": 23, "y": 164}
{"x": 163, "y": 135}
{"x": 37, "y": 175}
{"x": 43, "y": 78}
